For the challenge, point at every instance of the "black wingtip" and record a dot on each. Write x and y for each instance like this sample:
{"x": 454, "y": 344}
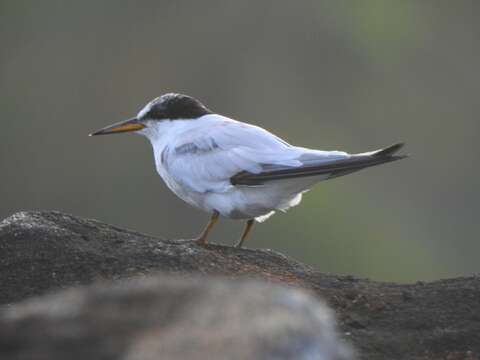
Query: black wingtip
{"x": 389, "y": 151}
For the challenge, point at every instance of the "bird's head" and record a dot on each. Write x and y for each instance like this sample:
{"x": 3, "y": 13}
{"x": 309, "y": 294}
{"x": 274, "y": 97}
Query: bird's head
{"x": 168, "y": 107}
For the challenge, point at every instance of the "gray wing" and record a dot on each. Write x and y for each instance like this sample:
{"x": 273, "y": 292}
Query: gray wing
{"x": 315, "y": 167}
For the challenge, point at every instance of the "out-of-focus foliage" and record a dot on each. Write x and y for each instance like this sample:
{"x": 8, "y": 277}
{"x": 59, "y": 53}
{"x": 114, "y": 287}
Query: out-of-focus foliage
{"x": 353, "y": 75}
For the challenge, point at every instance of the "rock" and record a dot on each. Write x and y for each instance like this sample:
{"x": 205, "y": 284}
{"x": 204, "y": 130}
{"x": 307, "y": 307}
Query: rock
{"x": 171, "y": 318}
{"x": 43, "y": 251}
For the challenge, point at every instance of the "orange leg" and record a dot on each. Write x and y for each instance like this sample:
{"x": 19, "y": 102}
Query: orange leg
{"x": 248, "y": 228}
{"x": 202, "y": 239}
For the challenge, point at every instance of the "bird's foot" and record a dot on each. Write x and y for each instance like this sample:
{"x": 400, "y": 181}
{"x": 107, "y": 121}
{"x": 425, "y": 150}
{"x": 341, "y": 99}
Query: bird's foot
{"x": 239, "y": 244}
{"x": 200, "y": 241}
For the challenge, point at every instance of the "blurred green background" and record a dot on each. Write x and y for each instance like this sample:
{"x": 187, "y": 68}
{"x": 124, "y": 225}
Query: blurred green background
{"x": 350, "y": 75}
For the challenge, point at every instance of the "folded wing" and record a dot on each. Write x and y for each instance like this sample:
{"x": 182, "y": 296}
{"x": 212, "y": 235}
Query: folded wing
{"x": 227, "y": 153}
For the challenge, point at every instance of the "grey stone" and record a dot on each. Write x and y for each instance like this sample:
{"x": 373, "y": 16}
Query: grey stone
{"x": 45, "y": 251}
{"x": 171, "y": 318}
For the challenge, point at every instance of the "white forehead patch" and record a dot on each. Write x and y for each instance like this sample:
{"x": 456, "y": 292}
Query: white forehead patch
{"x": 147, "y": 108}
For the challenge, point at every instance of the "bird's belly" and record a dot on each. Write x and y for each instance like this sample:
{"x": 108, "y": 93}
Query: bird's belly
{"x": 238, "y": 202}
{"x": 250, "y": 202}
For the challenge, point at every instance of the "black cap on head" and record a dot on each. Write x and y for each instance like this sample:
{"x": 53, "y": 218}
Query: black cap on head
{"x": 174, "y": 106}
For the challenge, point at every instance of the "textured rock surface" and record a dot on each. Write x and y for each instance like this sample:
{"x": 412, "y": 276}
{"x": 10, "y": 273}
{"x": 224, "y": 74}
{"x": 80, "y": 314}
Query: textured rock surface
{"x": 438, "y": 320}
{"x": 171, "y": 318}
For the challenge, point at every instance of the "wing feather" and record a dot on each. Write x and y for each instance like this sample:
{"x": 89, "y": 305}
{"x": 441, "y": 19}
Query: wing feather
{"x": 320, "y": 166}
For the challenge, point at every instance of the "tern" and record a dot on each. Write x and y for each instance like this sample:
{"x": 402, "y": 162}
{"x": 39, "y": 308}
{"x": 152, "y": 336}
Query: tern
{"x": 234, "y": 169}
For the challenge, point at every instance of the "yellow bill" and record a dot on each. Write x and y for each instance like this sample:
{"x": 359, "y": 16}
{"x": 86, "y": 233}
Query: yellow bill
{"x": 121, "y": 127}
